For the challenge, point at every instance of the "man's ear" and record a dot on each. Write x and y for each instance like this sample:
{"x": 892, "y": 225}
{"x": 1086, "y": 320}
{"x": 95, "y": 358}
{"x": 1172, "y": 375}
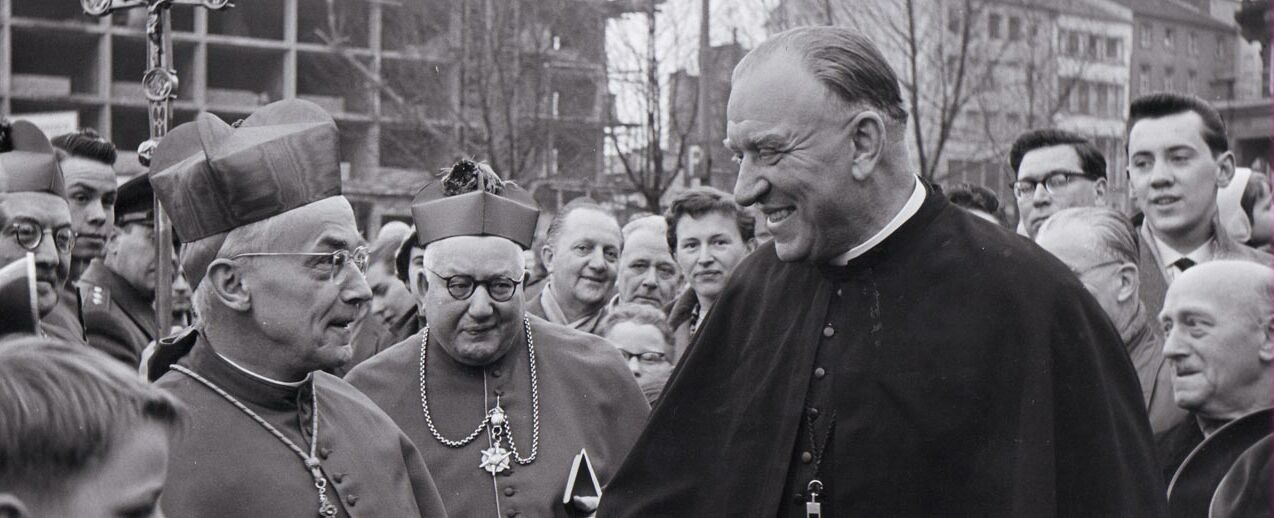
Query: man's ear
{"x": 1266, "y": 352}
{"x": 868, "y": 133}
{"x": 226, "y": 281}
{"x": 1129, "y": 282}
{"x": 1225, "y": 169}
{"x": 12, "y": 507}
{"x": 546, "y": 258}
{"x": 421, "y": 285}
{"x": 750, "y": 244}
{"x": 1099, "y": 187}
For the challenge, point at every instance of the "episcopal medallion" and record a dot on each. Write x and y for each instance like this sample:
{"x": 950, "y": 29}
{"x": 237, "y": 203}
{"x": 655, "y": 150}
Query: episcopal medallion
{"x": 495, "y": 459}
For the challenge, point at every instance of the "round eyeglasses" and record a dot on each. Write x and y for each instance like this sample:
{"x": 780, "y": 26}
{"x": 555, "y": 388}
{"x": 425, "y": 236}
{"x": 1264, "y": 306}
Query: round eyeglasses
{"x": 461, "y": 287}
{"x": 30, "y": 234}
{"x": 332, "y": 262}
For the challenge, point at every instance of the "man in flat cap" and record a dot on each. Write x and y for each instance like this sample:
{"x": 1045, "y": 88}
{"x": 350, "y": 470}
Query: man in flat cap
{"x": 501, "y": 403}
{"x": 116, "y": 293}
{"x": 35, "y": 218}
{"x": 272, "y": 250}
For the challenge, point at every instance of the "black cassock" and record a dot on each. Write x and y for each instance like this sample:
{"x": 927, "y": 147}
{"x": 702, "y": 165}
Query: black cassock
{"x": 968, "y": 373}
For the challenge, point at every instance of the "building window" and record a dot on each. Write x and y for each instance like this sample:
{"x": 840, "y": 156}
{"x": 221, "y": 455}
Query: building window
{"x": 1112, "y": 48}
{"x": 993, "y": 26}
{"x": 1220, "y": 45}
{"x": 1192, "y": 43}
{"x": 953, "y": 20}
{"x": 1143, "y": 79}
{"x": 1117, "y": 100}
{"x": 1093, "y": 43}
{"x": 1170, "y": 79}
{"x": 1192, "y": 82}
{"x": 1103, "y": 102}
{"x": 1082, "y": 89}
{"x": 1168, "y": 36}
{"x": 1015, "y": 28}
{"x": 1072, "y": 44}
{"x": 1146, "y": 34}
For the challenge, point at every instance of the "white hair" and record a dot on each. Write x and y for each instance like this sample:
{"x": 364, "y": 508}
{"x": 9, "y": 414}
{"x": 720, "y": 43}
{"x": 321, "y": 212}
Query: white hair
{"x": 429, "y": 259}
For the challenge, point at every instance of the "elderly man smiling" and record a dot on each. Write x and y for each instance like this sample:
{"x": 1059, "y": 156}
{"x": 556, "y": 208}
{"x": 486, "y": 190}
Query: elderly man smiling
{"x": 582, "y": 257}
{"x": 500, "y": 403}
{"x": 275, "y": 258}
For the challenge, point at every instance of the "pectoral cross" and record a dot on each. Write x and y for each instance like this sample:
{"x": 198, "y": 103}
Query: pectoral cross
{"x": 160, "y": 85}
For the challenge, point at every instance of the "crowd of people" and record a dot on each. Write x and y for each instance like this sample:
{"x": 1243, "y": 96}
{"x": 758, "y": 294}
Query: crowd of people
{"x": 837, "y": 337}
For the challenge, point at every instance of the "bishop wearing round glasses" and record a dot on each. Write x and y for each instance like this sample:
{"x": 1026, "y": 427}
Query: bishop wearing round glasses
{"x": 500, "y": 403}
{"x": 274, "y": 255}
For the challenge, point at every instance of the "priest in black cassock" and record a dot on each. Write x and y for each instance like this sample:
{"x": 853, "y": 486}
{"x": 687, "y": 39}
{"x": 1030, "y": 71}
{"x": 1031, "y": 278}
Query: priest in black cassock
{"x": 275, "y": 257}
{"x": 888, "y": 354}
{"x": 502, "y": 404}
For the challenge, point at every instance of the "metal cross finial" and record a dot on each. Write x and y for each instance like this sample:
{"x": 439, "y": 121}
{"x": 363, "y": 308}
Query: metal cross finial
{"x": 160, "y": 85}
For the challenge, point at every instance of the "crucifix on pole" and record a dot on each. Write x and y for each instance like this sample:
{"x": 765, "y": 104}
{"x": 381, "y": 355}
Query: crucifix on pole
{"x": 160, "y": 85}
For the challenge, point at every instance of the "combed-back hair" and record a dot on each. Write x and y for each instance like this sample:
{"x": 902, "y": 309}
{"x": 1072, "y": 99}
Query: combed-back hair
{"x": 1091, "y": 160}
{"x": 581, "y": 203}
{"x": 640, "y": 314}
{"x": 1115, "y": 235}
{"x": 63, "y": 407}
{"x": 648, "y": 223}
{"x": 845, "y": 62}
{"x": 1164, "y": 104}
{"x": 698, "y": 201}
{"x": 87, "y": 143}
{"x": 974, "y": 197}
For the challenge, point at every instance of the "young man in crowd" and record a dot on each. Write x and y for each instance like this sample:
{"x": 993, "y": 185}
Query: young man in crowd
{"x": 1056, "y": 170}
{"x": 1178, "y": 157}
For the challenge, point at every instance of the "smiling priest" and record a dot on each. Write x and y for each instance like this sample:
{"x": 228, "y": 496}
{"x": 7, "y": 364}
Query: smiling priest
{"x": 500, "y": 403}
{"x": 275, "y": 258}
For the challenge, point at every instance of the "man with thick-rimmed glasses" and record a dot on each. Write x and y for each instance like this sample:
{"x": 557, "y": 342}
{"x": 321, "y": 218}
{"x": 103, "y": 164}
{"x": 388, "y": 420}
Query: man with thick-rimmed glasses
{"x": 1055, "y": 170}
{"x": 275, "y": 257}
{"x": 499, "y": 401}
{"x": 35, "y": 217}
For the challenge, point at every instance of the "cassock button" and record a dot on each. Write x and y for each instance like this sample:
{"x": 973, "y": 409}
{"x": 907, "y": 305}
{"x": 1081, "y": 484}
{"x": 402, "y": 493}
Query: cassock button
{"x": 513, "y": 514}
{"x": 813, "y": 413}
{"x": 324, "y": 453}
{"x": 495, "y": 373}
{"x": 351, "y": 500}
{"x": 807, "y": 457}
{"x": 338, "y": 478}
{"x": 828, "y": 331}
{"x": 798, "y": 498}
{"x": 508, "y": 491}
{"x": 819, "y": 373}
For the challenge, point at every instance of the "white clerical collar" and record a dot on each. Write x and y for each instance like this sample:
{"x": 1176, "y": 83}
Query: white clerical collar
{"x": 271, "y": 381}
{"x": 908, "y": 210}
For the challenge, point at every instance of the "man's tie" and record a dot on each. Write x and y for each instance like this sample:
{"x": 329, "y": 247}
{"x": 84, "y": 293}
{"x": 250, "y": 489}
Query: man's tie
{"x": 1184, "y": 263}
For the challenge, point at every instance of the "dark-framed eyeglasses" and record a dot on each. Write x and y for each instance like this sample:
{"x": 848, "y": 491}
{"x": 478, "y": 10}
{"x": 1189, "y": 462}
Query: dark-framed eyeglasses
{"x": 30, "y": 234}
{"x": 333, "y": 262}
{"x": 461, "y": 287}
{"x": 1052, "y": 182}
{"x": 646, "y": 358}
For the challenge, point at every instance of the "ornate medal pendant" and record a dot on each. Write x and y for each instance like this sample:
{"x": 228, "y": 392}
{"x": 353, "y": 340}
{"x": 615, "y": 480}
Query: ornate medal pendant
{"x": 495, "y": 459}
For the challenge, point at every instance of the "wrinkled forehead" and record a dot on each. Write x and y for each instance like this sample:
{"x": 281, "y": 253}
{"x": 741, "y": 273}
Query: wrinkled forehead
{"x": 591, "y": 223}
{"x": 478, "y": 256}
{"x": 645, "y": 241}
{"x": 44, "y": 208}
{"x": 327, "y": 224}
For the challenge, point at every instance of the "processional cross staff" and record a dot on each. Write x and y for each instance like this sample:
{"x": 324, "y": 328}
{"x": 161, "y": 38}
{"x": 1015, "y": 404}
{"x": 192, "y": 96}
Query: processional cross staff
{"x": 160, "y": 85}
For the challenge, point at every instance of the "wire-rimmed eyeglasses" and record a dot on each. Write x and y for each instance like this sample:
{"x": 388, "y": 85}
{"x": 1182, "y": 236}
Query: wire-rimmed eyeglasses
{"x": 333, "y": 261}
{"x": 461, "y": 287}
{"x": 30, "y": 234}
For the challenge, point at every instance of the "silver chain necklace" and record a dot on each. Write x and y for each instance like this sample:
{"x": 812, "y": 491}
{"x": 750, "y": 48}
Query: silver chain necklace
{"x": 326, "y": 509}
{"x": 494, "y": 459}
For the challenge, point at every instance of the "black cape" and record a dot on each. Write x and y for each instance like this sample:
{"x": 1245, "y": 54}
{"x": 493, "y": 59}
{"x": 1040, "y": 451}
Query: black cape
{"x": 974, "y": 377}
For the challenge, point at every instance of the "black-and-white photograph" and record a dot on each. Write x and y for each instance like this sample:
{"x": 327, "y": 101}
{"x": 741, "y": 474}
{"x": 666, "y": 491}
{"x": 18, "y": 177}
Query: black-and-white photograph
{"x": 636, "y": 258}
